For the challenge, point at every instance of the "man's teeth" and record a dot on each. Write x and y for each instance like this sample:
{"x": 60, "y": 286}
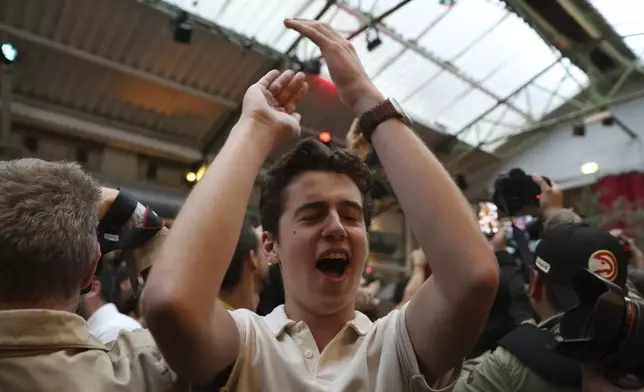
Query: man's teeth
{"x": 339, "y": 256}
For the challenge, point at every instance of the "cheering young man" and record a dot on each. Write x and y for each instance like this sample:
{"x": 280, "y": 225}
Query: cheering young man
{"x": 314, "y": 203}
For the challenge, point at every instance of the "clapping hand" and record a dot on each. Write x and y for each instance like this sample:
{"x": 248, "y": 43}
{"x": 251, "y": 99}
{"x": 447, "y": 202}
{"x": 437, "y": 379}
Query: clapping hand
{"x": 272, "y": 102}
{"x": 355, "y": 89}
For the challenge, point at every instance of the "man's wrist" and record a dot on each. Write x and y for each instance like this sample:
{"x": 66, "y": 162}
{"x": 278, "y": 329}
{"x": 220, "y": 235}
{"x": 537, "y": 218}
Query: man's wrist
{"x": 255, "y": 134}
{"x": 369, "y": 97}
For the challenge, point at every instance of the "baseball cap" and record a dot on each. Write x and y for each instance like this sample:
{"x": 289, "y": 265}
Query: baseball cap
{"x": 567, "y": 249}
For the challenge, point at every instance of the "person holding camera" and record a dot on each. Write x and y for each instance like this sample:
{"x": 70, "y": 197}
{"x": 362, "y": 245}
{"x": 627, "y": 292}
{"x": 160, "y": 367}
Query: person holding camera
{"x": 49, "y": 251}
{"x": 523, "y": 360}
{"x": 315, "y": 201}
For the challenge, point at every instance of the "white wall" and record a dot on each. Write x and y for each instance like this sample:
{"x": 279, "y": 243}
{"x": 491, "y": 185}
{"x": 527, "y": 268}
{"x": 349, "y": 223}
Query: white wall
{"x": 558, "y": 154}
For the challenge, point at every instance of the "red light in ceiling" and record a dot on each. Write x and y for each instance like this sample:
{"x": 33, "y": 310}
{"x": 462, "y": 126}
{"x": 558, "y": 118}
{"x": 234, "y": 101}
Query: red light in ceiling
{"x": 325, "y": 136}
{"x": 324, "y": 84}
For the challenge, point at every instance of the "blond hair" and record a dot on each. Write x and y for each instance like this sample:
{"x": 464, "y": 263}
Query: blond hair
{"x": 356, "y": 142}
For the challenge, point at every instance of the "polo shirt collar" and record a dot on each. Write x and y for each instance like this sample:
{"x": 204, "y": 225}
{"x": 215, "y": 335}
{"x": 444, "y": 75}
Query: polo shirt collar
{"x": 278, "y": 321}
{"x": 37, "y": 329}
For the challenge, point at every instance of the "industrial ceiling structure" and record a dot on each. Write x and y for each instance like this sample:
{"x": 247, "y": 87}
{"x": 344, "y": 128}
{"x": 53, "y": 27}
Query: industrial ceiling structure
{"x": 474, "y": 74}
{"x": 480, "y": 70}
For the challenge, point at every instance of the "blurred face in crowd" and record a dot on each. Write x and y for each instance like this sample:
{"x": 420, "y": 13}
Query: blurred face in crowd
{"x": 322, "y": 244}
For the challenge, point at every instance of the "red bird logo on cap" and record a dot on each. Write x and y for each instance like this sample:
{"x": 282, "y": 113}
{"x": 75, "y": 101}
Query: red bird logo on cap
{"x": 604, "y": 264}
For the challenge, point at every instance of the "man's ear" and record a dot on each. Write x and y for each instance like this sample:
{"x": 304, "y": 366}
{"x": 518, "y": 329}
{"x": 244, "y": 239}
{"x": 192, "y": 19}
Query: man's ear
{"x": 271, "y": 248}
{"x": 95, "y": 290}
{"x": 91, "y": 272}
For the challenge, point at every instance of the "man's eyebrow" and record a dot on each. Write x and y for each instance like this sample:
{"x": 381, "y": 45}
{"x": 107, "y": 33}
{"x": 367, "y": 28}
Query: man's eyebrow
{"x": 316, "y": 205}
{"x": 352, "y": 204}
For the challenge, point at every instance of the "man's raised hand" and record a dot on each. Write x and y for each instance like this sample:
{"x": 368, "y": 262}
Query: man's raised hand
{"x": 354, "y": 86}
{"x": 272, "y": 101}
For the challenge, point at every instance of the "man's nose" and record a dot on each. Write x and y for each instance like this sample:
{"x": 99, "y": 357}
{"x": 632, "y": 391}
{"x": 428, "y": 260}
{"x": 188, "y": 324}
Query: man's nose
{"x": 334, "y": 229}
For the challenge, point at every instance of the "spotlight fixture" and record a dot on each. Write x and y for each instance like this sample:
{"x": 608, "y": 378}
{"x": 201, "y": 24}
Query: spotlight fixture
{"x": 325, "y": 137}
{"x": 579, "y": 130}
{"x": 9, "y": 53}
{"x": 181, "y": 28}
{"x": 589, "y": 168}
{"x": 196, "y": 172}
{"x": 373, "y": 39}
{"x": 313, "y": 66}
{"x": 609, "y": 121}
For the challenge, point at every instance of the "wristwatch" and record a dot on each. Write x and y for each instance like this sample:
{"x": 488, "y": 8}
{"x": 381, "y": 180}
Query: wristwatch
{"x": 385, "y": 110}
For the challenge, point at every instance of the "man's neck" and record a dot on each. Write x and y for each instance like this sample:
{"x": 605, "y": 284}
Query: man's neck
{"x": 242, "y": 296}
{"x": 323, "y": 327}
{"x": 91, "y": 307}
{"x": 69, "y": 306}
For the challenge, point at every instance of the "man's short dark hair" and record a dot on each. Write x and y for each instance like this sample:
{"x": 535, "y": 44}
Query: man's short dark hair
{"x": 247, "y": 242}
{"x": 48, "y": 220}
{"x": 310, "y": 155}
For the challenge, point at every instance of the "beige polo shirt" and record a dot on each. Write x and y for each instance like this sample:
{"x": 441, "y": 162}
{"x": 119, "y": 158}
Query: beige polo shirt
{"x": 52, "y": 351}
{"x": 279, "y": 354}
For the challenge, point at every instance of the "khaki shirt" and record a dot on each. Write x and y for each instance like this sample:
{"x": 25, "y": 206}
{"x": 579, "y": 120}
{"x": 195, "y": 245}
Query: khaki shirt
{"x": 45, "y": 350}
{"x": 500, "y": 371}
{"x": 279, "y": 354}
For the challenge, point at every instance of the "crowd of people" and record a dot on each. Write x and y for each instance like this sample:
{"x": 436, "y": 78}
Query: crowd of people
{"x": 228, "y": 305}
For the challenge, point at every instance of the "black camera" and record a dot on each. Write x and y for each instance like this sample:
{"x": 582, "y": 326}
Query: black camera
{"x": 515, "y": 190}
{"x": 605, "y": 329}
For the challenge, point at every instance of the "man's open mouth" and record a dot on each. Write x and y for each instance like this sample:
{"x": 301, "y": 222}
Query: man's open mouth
{"x": 333, "y": 265}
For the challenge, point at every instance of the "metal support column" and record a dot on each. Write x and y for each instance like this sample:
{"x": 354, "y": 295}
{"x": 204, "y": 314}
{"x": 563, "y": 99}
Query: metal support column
{"x": 5, "y": 99}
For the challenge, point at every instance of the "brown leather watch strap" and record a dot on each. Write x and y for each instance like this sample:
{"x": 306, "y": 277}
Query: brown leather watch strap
{"x": 373, "y": 117}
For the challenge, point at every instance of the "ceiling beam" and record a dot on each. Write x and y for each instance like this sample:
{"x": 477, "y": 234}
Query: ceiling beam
{"x": 414, "y": 46}
{"x": 551, "y": 122}
{"x": 116, "y": 66}
{"x": 291, "y": 49}
{"x": 123, "y": 139}
{"x": 379, "y": 19}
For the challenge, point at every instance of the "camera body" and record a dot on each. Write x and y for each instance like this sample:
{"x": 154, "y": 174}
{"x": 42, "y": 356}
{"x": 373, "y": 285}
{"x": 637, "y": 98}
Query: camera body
{"x": 605, "y": 329}
{"x": 515, "y": 191}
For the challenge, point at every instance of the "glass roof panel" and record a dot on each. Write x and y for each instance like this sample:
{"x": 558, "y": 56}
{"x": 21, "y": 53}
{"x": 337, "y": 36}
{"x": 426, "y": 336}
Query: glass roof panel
{"x": 626, "y": 17}
{"x": 446, "y": 65}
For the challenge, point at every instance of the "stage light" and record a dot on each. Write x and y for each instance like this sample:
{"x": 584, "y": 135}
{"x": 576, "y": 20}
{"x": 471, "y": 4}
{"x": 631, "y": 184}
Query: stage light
{"x": 9, "y": 53}
{"x": 201, "y": 172}
{"x": 181, "y": 28}
{"x": 313, "y": 66}
{"x": 373, "y": 39}
{"x": 589, "y": 168}
{"x": 191, "y": 177}
{"x": 325, "y": 136}
{"x": 579, "y": 130}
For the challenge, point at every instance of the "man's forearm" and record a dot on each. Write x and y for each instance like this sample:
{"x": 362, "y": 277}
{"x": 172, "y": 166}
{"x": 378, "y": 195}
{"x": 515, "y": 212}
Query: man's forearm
{"x": 437, "y": 212}
{"x": 195, "y": 256}
{"x": 447, "y": 313}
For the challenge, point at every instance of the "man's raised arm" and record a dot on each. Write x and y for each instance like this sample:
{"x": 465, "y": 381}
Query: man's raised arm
{"x": 197, "y": 336}
{"x": 445, "y": 317}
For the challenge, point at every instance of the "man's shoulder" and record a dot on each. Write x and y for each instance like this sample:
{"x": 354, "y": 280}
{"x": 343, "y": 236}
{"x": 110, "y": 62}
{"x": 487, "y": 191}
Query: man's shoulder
{"x": 497, "y": 360}
{"x": 497, "y": 370}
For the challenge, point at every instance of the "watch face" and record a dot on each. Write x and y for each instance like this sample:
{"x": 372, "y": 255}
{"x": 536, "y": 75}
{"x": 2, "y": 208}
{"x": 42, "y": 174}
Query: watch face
{"x": 403, "y": 115}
